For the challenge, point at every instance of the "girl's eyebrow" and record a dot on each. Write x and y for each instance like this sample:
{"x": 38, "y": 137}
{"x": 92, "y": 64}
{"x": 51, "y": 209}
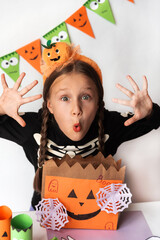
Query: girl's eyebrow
{"x": 64, "y": 89}
{"x": 61, "y": 90}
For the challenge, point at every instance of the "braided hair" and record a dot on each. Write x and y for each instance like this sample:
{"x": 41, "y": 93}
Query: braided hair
{"x": 76, "y": 66}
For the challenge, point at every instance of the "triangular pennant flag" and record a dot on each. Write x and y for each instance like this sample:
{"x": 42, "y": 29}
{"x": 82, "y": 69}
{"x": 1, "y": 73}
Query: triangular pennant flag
{"x": 80, "y": 21}
{"x": 58, "y": 34}
{"x": 102, "y": 8}
{"x": 131, "y": 1}
{"x": 10, "y": 65}
{"x": 32, "y": 53}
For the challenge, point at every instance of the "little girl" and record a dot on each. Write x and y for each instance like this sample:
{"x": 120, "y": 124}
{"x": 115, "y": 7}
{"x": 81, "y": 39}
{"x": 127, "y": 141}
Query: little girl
{"x": 73, "y": 119}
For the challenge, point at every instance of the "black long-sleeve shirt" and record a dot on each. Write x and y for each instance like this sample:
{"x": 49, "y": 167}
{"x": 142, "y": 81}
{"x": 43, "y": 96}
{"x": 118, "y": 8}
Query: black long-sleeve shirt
{"x": 59, "y": 144}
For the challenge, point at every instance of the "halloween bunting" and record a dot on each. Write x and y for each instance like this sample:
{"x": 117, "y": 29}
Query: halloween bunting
{"x": 10, "y": 65}
{"x": 32, "y": 51}
{"x": 32, "y": 54}
{"x": 58, "y": 34}
{"x": 81, "y": 21}
{"x": 102, "y": 8}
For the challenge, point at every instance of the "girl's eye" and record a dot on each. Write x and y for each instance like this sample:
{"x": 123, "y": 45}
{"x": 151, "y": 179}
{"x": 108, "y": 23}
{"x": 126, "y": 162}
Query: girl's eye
{"x": 64, "y": 99}
{"x": 85, "y": 97}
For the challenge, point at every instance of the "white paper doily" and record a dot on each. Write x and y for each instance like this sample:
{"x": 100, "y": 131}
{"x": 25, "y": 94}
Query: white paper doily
{"x": 114, "y": 198}
{"x": 51, "y": 213}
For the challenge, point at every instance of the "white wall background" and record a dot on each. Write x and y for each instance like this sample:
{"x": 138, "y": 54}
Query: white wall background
{"x": 129, "y": 47}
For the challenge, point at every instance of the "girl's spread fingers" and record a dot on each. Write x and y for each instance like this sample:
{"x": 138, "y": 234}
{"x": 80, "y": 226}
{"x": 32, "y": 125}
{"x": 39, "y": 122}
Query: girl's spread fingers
{"x": 121, "y": 101}
{"x": 133, "y": 83}
{"x": 130, "y": 121}
{"x": 145, "y": 83}
{"x": 3, "y": 81}
{"x": 28, "y": 88}
{"x": 124, "y": 90}
{"x": 18, "y": 82}
{"x": 31, "y": 99}
{"x": 19, "y": 120}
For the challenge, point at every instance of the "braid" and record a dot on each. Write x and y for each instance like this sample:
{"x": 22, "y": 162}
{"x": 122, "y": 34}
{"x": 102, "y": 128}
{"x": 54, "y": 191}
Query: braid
{"x": 44, "y": 127}
{"x": 101, "y": 127}
{"x": 43, "y": 149}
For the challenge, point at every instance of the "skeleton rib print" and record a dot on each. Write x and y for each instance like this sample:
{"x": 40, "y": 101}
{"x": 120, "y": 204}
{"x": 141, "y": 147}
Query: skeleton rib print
{"x": 60, "y": 151}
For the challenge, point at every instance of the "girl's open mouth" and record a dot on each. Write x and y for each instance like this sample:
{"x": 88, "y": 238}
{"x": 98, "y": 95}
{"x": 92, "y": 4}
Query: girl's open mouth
{"x": 77, "y": 127}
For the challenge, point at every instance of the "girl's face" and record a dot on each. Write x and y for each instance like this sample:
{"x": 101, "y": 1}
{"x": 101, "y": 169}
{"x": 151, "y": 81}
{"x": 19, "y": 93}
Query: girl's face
{"x": 73, "y": 101}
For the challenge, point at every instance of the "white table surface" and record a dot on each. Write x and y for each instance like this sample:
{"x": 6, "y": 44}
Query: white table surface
{"x": 151, "y": 212}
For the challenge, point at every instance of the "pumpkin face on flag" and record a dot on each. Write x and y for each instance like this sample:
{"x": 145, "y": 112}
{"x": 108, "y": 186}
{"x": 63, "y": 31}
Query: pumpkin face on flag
{"x": 32, "y": 53}
{"x": 80, "y": 21}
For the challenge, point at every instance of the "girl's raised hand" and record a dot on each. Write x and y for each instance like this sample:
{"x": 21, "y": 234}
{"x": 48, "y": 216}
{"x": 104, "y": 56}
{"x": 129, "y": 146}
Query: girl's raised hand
{"x": 11, "y": 99}
{"x": 140, "y": 101}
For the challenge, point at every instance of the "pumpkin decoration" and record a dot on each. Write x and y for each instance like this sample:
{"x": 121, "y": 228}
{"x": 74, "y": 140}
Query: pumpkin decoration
{"x": 5, "y": 222}
{"x": 59, "y": 54}
{"x": 79, "y": 198}
{"x": 76, "y": 182}
{"x": 56, "y": 53}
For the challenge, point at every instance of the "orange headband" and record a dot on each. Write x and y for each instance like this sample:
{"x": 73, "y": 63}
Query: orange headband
{"x": 59, "y": 55}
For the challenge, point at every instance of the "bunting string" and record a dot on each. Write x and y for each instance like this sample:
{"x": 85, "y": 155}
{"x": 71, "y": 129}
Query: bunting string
{"x": 10, "y": 63}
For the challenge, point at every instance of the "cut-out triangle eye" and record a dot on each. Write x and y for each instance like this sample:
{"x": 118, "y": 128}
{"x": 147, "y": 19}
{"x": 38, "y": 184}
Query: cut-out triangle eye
{"x": 5, "y": 234}
{"x": 90, "y": 195}
{"x": 72, "y": 194}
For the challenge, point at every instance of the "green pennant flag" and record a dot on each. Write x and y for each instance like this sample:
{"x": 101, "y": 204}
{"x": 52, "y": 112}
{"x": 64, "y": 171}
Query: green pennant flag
{"x": 10, "y": 65}
{"x": 102, "y": 8}
{"x": 58, "y": 34}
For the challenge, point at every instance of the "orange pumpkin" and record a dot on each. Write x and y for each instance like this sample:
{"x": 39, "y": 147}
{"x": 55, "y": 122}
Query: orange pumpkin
{"x": 5, "y": 222}
{"x": 79, "y": 198}
{"x": 57, "y": 54}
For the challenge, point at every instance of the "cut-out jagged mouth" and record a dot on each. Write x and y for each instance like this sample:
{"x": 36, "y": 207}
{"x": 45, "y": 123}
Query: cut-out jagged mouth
{"x": 83, "y": 216}
{"x": 55, "y": 59}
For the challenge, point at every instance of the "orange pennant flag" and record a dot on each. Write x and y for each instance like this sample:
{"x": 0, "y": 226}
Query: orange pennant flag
{"x": 32, "y": 53}
{"x": 80, "y": 20}
{"x": 131, "y": 1}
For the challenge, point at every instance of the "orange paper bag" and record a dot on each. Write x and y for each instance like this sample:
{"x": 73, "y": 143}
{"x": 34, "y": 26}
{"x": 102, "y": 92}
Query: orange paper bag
{"x": 76, "y": 182}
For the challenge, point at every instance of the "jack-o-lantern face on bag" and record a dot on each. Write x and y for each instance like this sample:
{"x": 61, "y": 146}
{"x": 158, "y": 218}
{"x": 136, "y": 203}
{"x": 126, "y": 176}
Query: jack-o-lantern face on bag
{"x": 85, "y": 207}
{"x": 79, "y": 198}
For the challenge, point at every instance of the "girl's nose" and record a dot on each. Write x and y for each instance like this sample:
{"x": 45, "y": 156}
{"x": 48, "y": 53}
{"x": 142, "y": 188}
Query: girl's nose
{"x": 76, "y": 109}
